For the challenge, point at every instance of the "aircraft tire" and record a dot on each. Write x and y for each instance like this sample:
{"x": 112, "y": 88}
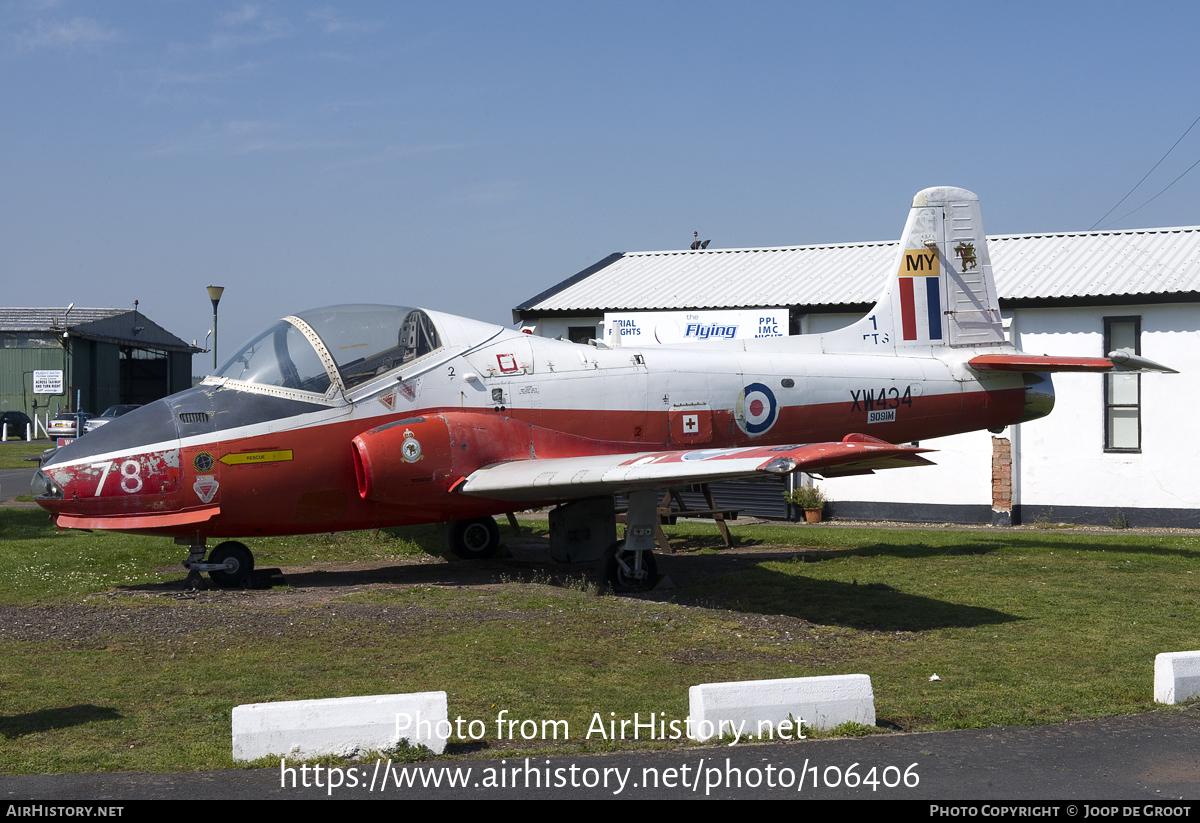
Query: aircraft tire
{"x": 240, "y": 576}
{"x": 475, "y": 539}
{"x": 617, "y": 570}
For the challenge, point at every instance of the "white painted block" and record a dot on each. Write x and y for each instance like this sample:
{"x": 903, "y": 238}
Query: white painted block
{"x": 821, "y": 702}
{"x": 1176, "y": 677}
{"x": 340, "y": 725}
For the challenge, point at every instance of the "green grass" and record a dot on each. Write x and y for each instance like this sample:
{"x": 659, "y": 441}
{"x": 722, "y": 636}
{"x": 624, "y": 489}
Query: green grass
{"x": 13, "y": 453}
{"x": 1022, "y": 627}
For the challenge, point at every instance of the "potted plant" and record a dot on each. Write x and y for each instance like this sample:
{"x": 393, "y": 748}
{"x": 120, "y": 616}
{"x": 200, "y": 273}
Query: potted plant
{"x": 809, "y": 498}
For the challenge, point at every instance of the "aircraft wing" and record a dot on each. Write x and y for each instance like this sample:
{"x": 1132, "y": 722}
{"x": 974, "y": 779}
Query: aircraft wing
{"x": 592, "y": 475}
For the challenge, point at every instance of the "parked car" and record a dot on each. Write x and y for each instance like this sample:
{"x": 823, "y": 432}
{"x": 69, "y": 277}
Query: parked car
{"x": 110, "y": 414}
{"x": 64, "y": 424}
{"x": 17, "y": 423}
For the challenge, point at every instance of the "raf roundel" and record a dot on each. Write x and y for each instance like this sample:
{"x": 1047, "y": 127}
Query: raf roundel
{"x": 756, "y": 409}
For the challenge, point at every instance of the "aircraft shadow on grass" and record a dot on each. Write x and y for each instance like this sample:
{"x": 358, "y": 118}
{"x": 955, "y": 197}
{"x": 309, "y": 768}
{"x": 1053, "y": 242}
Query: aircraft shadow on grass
{"x": 728, "y": 581}
{"x": 872, "y": 606}
{"x": 44, "y": 720}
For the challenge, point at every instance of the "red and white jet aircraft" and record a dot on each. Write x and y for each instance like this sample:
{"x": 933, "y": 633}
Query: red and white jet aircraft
{"x": 363, "y": 416}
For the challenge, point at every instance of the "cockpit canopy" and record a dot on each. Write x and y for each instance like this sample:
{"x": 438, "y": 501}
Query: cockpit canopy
{"x": 350, "y": 344}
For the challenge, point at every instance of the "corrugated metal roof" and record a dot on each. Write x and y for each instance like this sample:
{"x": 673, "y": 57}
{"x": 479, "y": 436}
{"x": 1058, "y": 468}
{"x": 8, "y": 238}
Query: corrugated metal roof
{"x": 121, "y": 326}
{"x": 1093, "y": 264}
{"x": 44, "y": 319}
{"x": 1084, "y": 264}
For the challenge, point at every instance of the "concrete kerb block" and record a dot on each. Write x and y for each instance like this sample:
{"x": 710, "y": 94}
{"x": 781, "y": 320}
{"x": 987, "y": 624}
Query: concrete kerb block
{"x": 341, "y": 726}
{"x": 820, "y": 702}
{"x": 1176, "y": 677}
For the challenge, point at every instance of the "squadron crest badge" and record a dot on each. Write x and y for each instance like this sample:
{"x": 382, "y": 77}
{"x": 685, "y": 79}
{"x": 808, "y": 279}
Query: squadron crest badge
{"x": 410, "y": 449}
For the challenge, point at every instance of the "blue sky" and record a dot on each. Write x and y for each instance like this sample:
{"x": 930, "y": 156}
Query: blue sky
{"x": 466, "y": 156}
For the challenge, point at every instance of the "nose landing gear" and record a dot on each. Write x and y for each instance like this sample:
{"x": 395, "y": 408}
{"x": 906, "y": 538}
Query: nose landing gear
{"x": 230, "y": 566}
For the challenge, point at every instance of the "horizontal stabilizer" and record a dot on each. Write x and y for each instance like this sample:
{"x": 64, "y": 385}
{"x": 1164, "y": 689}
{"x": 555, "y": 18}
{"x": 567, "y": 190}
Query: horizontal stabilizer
{"x": 1117, "y": 361}
{"x": 566, "y": 478}
{"x": 1038, "y": 363}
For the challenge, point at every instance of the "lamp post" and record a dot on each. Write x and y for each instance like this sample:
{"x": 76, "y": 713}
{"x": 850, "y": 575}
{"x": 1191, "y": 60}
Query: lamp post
{"x": 66, "y": 344}
{"x": 214, "y": 294}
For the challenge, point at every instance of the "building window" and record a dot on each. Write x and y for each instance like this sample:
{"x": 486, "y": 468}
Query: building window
{"x": 1123, "y": 392}
{"x": 581, "y": 334}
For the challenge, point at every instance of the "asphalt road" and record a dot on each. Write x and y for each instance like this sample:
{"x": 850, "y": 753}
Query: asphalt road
{"x": 1143, "y": 759}
{"x": 15, "y": 481}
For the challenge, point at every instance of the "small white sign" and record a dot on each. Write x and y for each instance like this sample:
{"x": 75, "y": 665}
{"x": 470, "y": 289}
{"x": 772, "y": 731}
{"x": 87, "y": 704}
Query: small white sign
{"x": 47, "y": 381}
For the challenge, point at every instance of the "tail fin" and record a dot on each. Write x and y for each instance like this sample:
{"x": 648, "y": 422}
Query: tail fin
{"x": 941, "y": 291}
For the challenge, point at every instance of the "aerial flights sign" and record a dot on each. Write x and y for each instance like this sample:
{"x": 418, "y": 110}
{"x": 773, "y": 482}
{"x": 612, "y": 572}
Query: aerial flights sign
{"x": 664, "y": 328}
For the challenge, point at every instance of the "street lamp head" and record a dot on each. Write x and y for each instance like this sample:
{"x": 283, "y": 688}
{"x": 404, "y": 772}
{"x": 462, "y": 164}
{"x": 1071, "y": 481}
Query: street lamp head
{"x": 214, "y": 294}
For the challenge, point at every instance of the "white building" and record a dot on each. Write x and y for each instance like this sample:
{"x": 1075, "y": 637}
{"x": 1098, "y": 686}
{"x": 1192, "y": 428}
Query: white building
{"x": 1115, "y": 447}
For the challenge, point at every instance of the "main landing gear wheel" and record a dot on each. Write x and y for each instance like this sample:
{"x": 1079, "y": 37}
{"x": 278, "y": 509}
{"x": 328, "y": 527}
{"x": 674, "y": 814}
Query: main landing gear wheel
{"x": 242, "y": 565}
{"x": 628, "y": 571}
{"x": 474, "y": 539}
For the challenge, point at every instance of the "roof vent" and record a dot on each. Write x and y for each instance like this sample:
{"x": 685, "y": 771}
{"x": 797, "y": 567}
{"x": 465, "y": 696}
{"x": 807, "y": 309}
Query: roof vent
{"x": 193, "y": 417}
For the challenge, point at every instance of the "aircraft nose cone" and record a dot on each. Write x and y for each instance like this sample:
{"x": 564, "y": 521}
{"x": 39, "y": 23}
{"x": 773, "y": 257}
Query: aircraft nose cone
{"x": 153, "y": 423}
{"x": 43, "y": 487}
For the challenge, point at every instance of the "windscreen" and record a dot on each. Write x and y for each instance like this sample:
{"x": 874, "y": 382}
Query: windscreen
{"x": 280, "y": 356}
{"x": 367, "y": 341}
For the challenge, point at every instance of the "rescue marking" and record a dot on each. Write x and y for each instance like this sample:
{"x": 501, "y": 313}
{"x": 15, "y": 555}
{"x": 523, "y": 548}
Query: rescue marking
{"x": 507, "y": 363}
{"x": 241, "y": 458}
{"x": 388, "y": 399}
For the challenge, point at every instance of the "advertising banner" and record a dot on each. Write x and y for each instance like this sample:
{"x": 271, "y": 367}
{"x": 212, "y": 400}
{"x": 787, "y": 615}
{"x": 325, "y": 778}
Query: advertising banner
{"x": 665, "y": 328}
